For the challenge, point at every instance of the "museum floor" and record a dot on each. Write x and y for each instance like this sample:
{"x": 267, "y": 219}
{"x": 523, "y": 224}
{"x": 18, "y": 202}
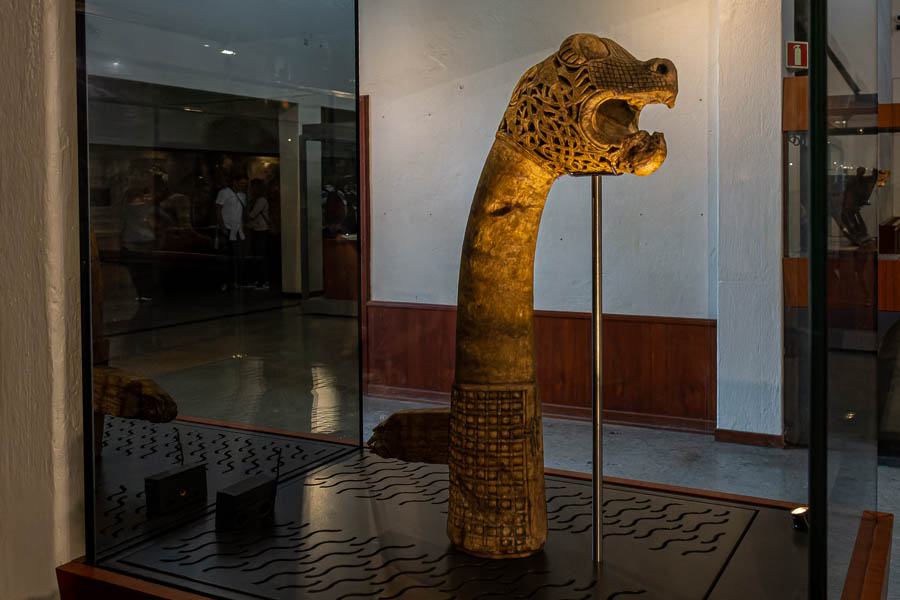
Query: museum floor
{"x": 283, "y": 369}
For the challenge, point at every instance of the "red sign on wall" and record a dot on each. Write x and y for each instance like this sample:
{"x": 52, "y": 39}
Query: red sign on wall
{"x": 795, "y": 55}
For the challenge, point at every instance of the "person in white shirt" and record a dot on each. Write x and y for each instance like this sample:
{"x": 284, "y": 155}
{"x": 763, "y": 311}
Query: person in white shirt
{"x": 231, "y": 203}
{"x": 258, "y": 224}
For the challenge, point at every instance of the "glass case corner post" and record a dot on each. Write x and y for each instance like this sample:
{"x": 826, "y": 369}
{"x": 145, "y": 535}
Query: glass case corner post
{"x": 597, "y": 367}
{"x": 84, "y": 218}
{"x": 818, "y": 255}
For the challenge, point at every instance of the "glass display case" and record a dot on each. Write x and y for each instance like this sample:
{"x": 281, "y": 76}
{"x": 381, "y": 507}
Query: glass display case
{"x": 347, "y": 264}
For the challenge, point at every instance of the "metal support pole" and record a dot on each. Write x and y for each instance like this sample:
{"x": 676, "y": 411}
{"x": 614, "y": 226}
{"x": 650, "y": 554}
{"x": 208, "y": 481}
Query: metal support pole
{"x": 597, "y": 375}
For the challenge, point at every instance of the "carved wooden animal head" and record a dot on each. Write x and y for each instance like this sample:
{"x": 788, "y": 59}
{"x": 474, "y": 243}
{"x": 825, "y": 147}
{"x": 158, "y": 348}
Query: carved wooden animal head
{"x": 577, "y": 111}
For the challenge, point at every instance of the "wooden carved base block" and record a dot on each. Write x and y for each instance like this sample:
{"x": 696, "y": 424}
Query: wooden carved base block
{"x": 497, "y": 505}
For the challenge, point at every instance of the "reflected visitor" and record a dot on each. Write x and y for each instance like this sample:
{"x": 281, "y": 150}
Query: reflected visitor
{"x": 350, "y": 225}
{"x": 139, "y": 239}
{"x": 258, "y": 224}
{"x": 335, "y": 208}
{"x": 231, "y": 204}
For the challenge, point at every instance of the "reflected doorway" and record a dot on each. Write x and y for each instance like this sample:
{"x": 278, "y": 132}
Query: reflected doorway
{"x": 329, "y": 215}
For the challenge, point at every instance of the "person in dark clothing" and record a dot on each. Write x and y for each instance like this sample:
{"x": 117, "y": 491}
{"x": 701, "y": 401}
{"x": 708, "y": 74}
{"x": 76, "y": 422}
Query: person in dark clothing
{"x": 139, "y": 239}
{"x": 258, "y": 224}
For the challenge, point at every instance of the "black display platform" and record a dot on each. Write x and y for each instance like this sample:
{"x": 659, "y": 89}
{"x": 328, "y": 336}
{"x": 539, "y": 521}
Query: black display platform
{"x": 365, "y": 527}
{"x": 133, "y": 450}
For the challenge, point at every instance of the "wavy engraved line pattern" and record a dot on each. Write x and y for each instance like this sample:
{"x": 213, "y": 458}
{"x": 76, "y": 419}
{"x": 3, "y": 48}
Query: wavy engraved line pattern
{"x": 365, "y": 542}
{"x": 224, "y": 567}
{"x": 614, "y": 533}
{"x": 475, "y": 565}
{"x": 296, "y": 586}
{"x": 358, "y": 595}
{"x": 666, "y": 506}
{"x": 611, "y": 500}
{"x": 544, "y": 587}
{"x": 342, "y": 581}
{"x": 341, "y": 566}
{"x": 468, "y": 581}
{"x": 504, "y": 594}
{"x": 296, "y": 547}
{"x": 655, "y": 529}
{"x": 400, "y": 573}
{"x": 323, "y": 543}
{"x": 312, "y": 533}
{"x": 266, "y": 550}
{"x": 430, "y": 497}
{"x": 569, "y": 505}
{"x": 391, "y": 547}
{"x": 639, "y": 519}
{"x": 626, "y": 593}
{"x": 279, "y": 573}
{"x": 683, "y": 515}
{"x": 673, "y": 540}
{"x": 579, "y": 495}
{"x": 557, "y": 519}
{"x": 625, "y": 510}
{"x": 702, "y": 523}
{"x": 438, "y": 559}
{"x": 589, "y": 586}
{"x": 376, "y": 482}
{"x": 406, "y": 589}
{"x": 713, "y": 538}
{"x": 260, "y": 567}
{"x": 704, "y": 551}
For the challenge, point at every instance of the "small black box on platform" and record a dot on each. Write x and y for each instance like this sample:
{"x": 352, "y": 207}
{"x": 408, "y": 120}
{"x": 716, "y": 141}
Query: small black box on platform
{"x": 175, "y": 490}
{"x": 247, "y": 502}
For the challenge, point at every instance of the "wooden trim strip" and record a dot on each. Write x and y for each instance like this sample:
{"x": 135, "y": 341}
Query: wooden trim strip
{"x": 78, "y": 581}
{"x": 391, "y": 392}
{"x": 365, "y": 242}
{"x": 867, "y": 573}
{"x": 271, "y": 430}
{"x": 749, "y": 438}
{"x": 408, "y": 305}
{"x": 557, "y": 411}
{"x": 557, "y": 314}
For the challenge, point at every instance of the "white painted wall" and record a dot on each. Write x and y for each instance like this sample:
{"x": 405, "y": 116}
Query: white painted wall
{"x": 749, "y": 331}
{"x": 439, "y": 75}
{"x": 701, "y": 237}
{"x": 40, "y": 384}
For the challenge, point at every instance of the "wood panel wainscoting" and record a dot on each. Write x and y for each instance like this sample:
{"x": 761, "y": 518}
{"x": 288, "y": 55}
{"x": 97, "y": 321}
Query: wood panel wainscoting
{"x": 657, "y": 371}
{"x": 851, "y": 287}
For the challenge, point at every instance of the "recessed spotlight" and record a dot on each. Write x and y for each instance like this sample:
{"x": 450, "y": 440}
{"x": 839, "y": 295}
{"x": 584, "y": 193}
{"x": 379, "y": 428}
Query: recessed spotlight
{"x": 206, "y": 45}
{"x": 290, "y": 139}
{"x": 800, "y": 518}
{"x": 115, "y": 63}
{"x": 228, "y": 52}
{"x": 850, "y": 415}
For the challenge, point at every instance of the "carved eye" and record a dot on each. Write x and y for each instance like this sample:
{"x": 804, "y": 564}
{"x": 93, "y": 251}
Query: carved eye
{"x": 580, "y": 48}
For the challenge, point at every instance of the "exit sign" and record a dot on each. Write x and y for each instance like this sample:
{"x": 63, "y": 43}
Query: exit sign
{"x": 796, "y": 56}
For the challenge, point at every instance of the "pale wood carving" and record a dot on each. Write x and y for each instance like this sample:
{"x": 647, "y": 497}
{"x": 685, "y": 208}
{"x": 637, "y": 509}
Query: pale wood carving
{"x": 575, "y": 112}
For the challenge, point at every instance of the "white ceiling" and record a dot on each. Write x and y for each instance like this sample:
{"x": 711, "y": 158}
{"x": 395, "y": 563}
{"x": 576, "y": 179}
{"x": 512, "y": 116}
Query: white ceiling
{"x": 294, "y": 50}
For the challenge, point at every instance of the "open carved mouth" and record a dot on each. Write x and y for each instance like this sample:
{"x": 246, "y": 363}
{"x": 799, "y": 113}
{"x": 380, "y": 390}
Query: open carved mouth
{"x": 612, "y": 123}
{"x": 614, "y": 120}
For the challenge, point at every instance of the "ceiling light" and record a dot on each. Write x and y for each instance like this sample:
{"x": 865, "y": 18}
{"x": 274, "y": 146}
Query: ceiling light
{"x": 800, "y": 518}
{"x": 206, "y": 45}
{"x": 228, "y": 52}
